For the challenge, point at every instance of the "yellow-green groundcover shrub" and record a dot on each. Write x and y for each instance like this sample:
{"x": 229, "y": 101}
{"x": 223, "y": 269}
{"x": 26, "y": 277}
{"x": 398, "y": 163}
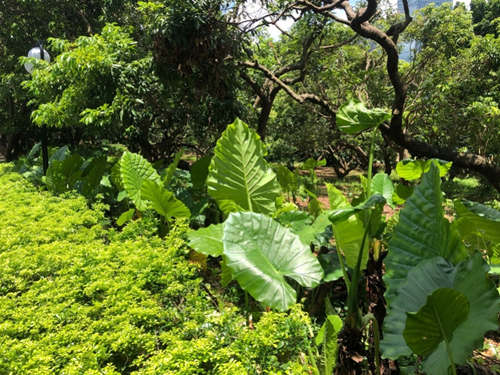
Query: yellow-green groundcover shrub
{"x": 77, "y": 298}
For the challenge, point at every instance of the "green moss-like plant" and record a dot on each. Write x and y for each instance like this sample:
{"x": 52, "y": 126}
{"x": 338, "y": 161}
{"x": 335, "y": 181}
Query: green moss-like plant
{"x": 78, "y": 298}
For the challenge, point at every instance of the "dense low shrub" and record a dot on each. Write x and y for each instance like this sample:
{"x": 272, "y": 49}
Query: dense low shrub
{"x": 77, "y": 298}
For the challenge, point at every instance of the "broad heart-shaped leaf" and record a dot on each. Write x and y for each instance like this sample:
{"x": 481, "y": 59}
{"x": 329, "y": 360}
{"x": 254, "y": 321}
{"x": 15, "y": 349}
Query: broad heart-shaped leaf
{"x": 207, "y": 240}
{"x": 429, "y": 275}
{"x": 239, "y": 173}
{"x": 134, "y": 169}
{"x": 309, "y": 232}
{"x": 382, "y": 184}
{"x": 163, "y": 201}
{"x": 422, "y": 233}
{"x": 469, "y": 278}
{"x": 477, "y": 220}
{"x": 349, "y": 233}
{"x": 436, "y": 321}
{"x": 355, "y": 117}
{"x": 261, "y": 253}
{"x": 472, "y": 281}
{"x": 411, "y": 170}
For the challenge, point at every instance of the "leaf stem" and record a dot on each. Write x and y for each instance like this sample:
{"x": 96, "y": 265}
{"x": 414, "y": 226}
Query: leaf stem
{"x": 376, "y": 338}
{"x": 352, "y": 298}
{"x": 370, "y": 163}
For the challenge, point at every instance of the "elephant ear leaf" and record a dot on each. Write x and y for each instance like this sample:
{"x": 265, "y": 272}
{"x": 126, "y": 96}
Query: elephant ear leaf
{"x": 436, "y": 321}
{"x": 134, "y": 170}
{"x": 239, "y": 173}
{"x": 163, "y": 201}
{"x": 469, "y": 278}
{"x": 261, "y": 252}
{"x": 477, "y": 220}
{"x": 422, "y": 233}
{"x": 354, "y": 117}
{"x": 348, "y": 233}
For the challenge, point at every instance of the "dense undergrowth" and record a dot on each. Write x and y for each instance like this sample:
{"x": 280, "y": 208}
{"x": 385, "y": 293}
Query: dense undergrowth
{"x": 79, "y": 298}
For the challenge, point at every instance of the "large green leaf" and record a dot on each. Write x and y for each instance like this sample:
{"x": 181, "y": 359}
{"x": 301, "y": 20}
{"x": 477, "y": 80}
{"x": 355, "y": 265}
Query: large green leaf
{"x": 429, "y": 275}
{"x": 470, "y": 279}
{"x": 207, "y": 240}
{"x": 134, "y": 170}
{"x": 92, "y": 175}
{"x": 240, "y": 174}
{"x": 477, "y": 220}
{"x": 348, "y": 233}
{"x": 411, "y": 170}
{"x": 422, "y": 233}
{"x": 288, "y": 180}
{"x": 355, "y": 117}
{"x": 261, "y": 253}
{"x": 163, "y": 201}
{"x": 436, "y": 321}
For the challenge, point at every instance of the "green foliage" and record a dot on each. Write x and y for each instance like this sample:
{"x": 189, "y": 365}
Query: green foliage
{"x": 207, "y": 240}
{"x": 485, "y": 16}
{"x": 469, "y": 279}
{"x": 422, "y": 233}
{"x": 327, "y": 339}
{"x": 458, "y": 72}
{"x": 163, "y": 201}
{"x": 77, "y": 298}
{"x": 425, "y": 255}
{"x": 354, "y": 117}
{"x": 239, "y": 177}
{"x": 382, "y": 184}
{"x": 261, "y": 252}
{"x": 348, "y": 234}
{"x": 436, "y": 321}
{"x": 411, "y": 170}
{"x": 134, "y": 170}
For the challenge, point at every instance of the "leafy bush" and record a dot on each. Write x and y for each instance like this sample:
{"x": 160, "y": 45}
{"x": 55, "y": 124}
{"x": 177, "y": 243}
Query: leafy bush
{"x": 76, "y": 298}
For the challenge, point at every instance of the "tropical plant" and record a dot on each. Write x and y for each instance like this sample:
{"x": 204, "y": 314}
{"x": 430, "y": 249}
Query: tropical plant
{"x": 239, "y": 177}
{"x": 426, "y": 254}
{"x": 145, "y": 189}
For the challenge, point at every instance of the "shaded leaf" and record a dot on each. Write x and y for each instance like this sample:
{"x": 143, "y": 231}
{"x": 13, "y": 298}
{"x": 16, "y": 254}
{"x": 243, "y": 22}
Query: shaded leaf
{"x": 436, "y": 321}
{"x": 163, "y": 201}
{"x": 199, "y": 172}
{"x": 134, "y": 170}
